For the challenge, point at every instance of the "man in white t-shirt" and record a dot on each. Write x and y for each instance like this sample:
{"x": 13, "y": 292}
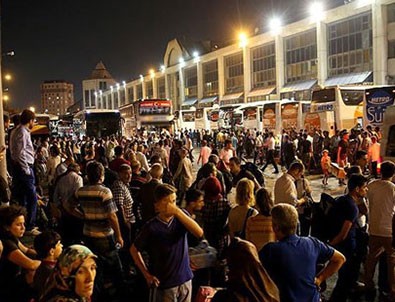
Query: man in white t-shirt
{"x": 381, "y": 196}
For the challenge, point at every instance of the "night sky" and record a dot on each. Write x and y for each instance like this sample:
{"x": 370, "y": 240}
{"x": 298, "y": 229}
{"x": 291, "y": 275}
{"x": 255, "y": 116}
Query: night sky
{"x": 59, "y": 39}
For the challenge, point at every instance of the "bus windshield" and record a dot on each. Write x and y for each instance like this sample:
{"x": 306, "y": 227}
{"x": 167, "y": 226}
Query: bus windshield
{"x": 352, "y": 97}
{"x": 98, "y": 123}
{"x": 324, "y": 95}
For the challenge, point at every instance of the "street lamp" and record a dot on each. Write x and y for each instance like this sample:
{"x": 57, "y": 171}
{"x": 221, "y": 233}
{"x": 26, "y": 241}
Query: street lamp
{"x": 181, "y": 61}
{"x": 141, "y": 78}
{"x": 162, "y": 68}
{"x": 6, "y": 98}
{"x": 152, "y": 73}
{"x": 316, "y": 11}
{"x": 275, "y": 26}
{"x": 243, "y": 40}
{"x": 31, "y": 108}
{"x": 8, "y": 77}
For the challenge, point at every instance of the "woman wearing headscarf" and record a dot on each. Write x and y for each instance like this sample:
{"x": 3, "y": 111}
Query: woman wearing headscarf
{"x": 73, "y": 277}
{"x": 248, "y": 281}
{"x": 215, "y": 214}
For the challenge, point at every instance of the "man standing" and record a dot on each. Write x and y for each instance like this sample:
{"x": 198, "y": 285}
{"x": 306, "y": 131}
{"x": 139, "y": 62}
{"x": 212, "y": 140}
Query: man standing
{"x": 22, "y": 155}
{"x": 205, "y": 152}
{"x": 101, "y": 228}
{"x": 146, "y": 193}
{"x": 291, "y": 262}
{"x": 381, "y": 196}
{"x": 343, "y": 217}
{"x": 374, "y": 156}
{"x": 123, "y": 200}
{"x": 119, "y": 160}
{"x": 227, "y": 152}
{"x": 285, "y": 189}
{"x": 271, "y": 146}
{"x": 164, "y": 238}
{"x": 342, "y": 153}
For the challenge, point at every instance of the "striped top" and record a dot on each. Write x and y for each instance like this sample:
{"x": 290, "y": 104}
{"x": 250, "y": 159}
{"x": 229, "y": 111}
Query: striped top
{"x": 259, "y": 230}
{"x": 97, "y": 205}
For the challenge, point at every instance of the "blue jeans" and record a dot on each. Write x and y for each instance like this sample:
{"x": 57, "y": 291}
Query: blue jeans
{"x": 25, "y": 193}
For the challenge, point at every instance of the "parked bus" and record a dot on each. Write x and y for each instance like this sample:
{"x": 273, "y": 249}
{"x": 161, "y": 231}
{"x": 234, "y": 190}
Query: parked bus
{"x": 154, "y": 114}
{"x": 97, "y": 123}
{"x": 45, "y": 125}
{"x": 377, "y": 99}
{"x": 338, "y": 107}
{"x": 186, "y": 119}
{"x": 129, "y": 123}
{"x": 203, "y": 118}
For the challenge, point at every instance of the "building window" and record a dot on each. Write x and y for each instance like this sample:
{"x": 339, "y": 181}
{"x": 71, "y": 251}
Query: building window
{"x": 149, "y": 90}
{"x": 102, "y": 85}
{"x": 301, "y": 56}
{"x": 139, "y": 91}
{"x": 210, "y": 78}
{"x": 350, "y": 45}
{"x": 263, "y": 60}
{"x": 123, "y": 99}
{"x": 161, "y": 87}
{"x": 190, "y": 82}
{"x": 391, "y": 49}
{"x": 234, "y": 74}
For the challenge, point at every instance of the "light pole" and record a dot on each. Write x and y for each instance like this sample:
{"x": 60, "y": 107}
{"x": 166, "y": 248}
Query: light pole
{"x": 3, "y": 163}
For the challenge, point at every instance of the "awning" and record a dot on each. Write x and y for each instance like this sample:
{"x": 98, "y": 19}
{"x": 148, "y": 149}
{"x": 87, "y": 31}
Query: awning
{"x": 350, "y": 78}
{"x": 208, "y": 100}
{"x": 233, "y": 96}
{"x": 261, "y": 92}
{"x": 298, "y": 86}
{"x": 189, "y": 102}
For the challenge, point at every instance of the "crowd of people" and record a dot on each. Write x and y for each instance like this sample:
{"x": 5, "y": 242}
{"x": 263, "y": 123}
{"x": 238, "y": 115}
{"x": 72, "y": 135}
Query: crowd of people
{"x": 114, "y": 218}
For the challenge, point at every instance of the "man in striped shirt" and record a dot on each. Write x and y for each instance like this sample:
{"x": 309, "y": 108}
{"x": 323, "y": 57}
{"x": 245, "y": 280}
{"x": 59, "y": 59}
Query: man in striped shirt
{"x": 101, "y": 228}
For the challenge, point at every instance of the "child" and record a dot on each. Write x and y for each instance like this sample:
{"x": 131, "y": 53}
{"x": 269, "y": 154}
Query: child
{"x": 325, "y": 165}
{"x": 164, "y": 239}
{"x": 48, "y": 248}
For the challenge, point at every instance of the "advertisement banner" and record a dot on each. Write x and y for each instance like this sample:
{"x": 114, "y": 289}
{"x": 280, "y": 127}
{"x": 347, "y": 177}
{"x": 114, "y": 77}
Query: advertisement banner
{"x": 269, "y": 117}
{"x": 250, "y": 118}
{"x": 377, "y": 101}
{"x": 289, "y": 116}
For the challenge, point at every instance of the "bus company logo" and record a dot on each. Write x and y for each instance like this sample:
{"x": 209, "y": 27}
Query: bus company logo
{"x": 380, "y": 100}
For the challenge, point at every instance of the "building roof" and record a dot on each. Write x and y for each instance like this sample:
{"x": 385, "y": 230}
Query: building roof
{"x": 100, "y": 72}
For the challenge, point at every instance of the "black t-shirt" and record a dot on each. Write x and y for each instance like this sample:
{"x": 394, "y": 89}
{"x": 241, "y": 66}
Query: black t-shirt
{"x": 242, "y": 174}
{"x": 306, "y": 146}
{"x": 8, "y": 270}
{"x": 344, "y": 146}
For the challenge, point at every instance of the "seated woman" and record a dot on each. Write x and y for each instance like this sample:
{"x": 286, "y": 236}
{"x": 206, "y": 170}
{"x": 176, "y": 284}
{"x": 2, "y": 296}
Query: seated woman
{"x": 73, "y": 277}
{"x": 259, "y": 228}
{"x": 248, "y": 281}
{"x": 16, "y": 257}
{"x": 245, "y": 201}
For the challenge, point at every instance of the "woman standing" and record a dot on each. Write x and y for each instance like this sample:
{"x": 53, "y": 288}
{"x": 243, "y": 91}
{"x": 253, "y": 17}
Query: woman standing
{"x": 245, "y": 201}
{"x": 259, "y": 228}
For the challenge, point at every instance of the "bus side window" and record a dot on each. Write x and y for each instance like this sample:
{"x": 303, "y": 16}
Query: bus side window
{"x": 391, "y": 142}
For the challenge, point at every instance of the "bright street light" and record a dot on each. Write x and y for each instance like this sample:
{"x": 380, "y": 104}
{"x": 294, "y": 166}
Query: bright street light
{"x": 6, "y": 98}
{"x": 316, "y": 11}
{"x": 152, "y": 73}
{"x": 141, "y": 78}
{"x": 243, "y": 40}
{"x": 162, "y": 68}
{"x": 31, "y": 108}
{"x": 8, "y": 77}
{"x": 275, "y": 26}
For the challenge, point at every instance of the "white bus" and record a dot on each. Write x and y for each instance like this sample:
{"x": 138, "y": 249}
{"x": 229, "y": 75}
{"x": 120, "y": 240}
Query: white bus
{"x": 203, "y": 118}
{"x": 186, "y": 119}
{"x": 337, "y": 108}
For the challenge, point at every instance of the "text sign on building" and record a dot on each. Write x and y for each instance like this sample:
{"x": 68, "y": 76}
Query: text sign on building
{"x": 377, "y": 101}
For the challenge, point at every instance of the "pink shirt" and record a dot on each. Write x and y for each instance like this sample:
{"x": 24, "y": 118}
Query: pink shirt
{"x": 225, "y": 155}
{"x": 205, "y": 153}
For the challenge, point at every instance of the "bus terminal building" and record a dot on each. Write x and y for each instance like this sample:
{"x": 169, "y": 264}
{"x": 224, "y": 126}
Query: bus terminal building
{"x": 353, "y": 44}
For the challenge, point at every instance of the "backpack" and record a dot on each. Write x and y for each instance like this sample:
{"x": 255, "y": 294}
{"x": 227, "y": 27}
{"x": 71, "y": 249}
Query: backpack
{"x": 322, "y": 223}
{"x": 254, "y": 170}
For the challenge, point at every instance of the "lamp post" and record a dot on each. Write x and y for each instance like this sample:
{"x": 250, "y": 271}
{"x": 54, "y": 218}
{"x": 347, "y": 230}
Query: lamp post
{"x": 3, "y": 164}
